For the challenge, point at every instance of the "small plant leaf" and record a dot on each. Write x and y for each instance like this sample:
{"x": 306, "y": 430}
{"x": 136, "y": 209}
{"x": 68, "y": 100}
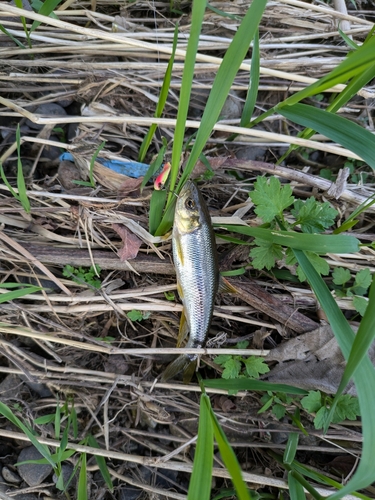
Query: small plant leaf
{"x": 312, "y": 216}
{"x": 265, "y": 254}
{"x": 270, "y": 198}
{"x": 341, "y": 276}
{"x": 255, "y": 366}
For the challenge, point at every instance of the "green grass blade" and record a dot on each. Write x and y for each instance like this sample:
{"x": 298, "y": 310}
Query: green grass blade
{"x": 361, "y": 344}
{"x": 296, "y": 490}
{"x": 82, "y": 480}
{"x": 345, "y": 132}
{"x": 197, "y": 15}
{"x": 46, "y": 9}
{"x": 318, "y": 243}
{"x": 364, "y": 377}
{"x": 291, "y": 448}
{"x": 252, "y": 93}
{"x": 16, "y": 294}
{"x": 356, "y": 83}
{"x": 6, "y": 182}
{"x": 201, "y": 478}
{"x": 157, "y": 203}
{"x": 57, "y": 420}
{"x": 243, "y": 384}
{"x": 162, "y": 100}
{"x": 101, "y": 463}
{"x": 228, "y": 69}
{"x": 20, "y": 178}
{"x": 43, "y": 449}
{"x": 6, "y": 32}
{"x": 228, "y": 456}
{"x": 351, "y": 43}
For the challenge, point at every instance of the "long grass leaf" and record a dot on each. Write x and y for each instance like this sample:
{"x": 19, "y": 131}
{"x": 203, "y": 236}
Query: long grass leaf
{"x": 339, "y": 129}
{"x": 361, "y": 344}
{"x": 43, "y": 449}
{"x": 20, "y": 177}
{"x": 6, "y": 32}
{"x": 357, "y": 63}
{"x": 319, "y": 243}
{"x": 223, "y": 81}
{"x": 244, "y": 384}
{"x": 197, "y": 15}
{"x": 364, "y": 377}
{"x": 82, "y": 480}
{"x": 296, "y": 490}
{"x": 355, "y": 84}
{"x": 162, "y": 100}
{"x": 101, "y": 463}
{"x": 46, "y": 9}
{"x": 228, "y": 456}
{"x": 16, "y": 294}
{"x": 201, "y": 478}
{"x": 252, "y": 93}
{"x": 157, "y": 203}
{"x": 155, "y": 165}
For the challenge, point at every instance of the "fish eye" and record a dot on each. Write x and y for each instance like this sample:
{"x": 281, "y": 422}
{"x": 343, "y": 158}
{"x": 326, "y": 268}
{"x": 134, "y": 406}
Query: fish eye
{"x": 190, "y": 204}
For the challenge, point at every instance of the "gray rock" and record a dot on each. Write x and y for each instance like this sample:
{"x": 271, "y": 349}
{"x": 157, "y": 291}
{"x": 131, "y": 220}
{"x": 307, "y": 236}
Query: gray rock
{"x": 10, "y": 476}
{"x": 32, "y": 474}
{"x": 10, "y": 387}
{"x": 50, "y": 109}
{"x": 67, "y": 471}
{"x": 51, "y": 152}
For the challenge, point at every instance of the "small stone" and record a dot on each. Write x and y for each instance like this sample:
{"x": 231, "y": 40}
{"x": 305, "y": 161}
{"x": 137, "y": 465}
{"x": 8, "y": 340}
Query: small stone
{"x": 67, "y": 173}
{"x": 32, "y": 474}
{"x": 50, "y": 109}
{"x": 10, "y": 387}
{"x": 67, "y": 471}
{"x": 10, "y": 476}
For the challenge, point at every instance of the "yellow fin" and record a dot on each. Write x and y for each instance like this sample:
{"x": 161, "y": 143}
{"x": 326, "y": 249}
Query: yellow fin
{"x": 226, "y": 287}
{"x": 183, "y": 331}
{"x": 180, "y": 253}
{"x": 189, "y": 372}
{"x": 179, "y": 364}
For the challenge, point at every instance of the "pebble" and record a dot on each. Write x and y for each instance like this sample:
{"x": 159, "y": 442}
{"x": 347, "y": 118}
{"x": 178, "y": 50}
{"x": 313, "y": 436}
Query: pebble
{"x": 67, "y": 471}
{"x": 67, "y": 173}
{"x": 10, "y": 387}
{"x": 10, "y": 476}
{"x": 50, "y": 109}
{"x": 32, "y": 474}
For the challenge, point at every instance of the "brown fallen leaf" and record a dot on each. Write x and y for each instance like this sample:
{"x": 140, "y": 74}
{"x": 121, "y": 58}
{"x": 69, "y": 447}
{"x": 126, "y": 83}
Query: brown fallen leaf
{"x": 129, "y": 185}
{"x": 131, "y": 243}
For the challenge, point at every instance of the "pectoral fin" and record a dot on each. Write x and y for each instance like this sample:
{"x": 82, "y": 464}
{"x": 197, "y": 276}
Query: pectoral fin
{"x": 183, "y": 331}
{"x": 226, "y": 287}
{"x": 178, "y": 365}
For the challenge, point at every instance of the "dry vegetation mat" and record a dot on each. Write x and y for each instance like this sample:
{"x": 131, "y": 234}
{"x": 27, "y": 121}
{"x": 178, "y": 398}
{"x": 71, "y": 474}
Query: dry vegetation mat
{"x": 106, "y": 109}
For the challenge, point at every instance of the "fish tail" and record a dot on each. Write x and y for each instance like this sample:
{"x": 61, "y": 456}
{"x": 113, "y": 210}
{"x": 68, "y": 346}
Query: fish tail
{"x": 180, "y": 364}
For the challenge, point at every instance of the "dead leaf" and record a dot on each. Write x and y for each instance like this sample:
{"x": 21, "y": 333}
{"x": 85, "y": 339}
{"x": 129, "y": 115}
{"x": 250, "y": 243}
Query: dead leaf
{"x": 131, "y": 243}
{"x": 312, "y": 361}
{"x": 129, "y": 185}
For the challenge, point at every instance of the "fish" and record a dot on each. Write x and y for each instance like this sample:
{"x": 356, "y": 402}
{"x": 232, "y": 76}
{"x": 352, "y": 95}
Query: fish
{"x": 196, "y": 262}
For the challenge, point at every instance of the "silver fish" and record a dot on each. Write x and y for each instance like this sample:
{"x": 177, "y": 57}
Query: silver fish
{"x": 196, "y": 263}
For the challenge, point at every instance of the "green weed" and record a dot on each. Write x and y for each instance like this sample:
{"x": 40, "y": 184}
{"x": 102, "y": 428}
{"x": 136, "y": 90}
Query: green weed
{"x": 21, "y": 195}
{"x": 135, "y": 315}
{"x": 83, "y": 275}
{"x": 238, "y": 366}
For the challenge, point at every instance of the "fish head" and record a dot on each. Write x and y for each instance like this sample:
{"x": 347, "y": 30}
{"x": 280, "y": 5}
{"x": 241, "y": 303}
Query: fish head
{"x": 189, "y": 213}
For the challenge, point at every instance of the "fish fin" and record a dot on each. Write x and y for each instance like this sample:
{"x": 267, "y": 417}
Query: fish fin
{"x": 179, "y": 291}
{"x": 178, "y": 365}
{"x": 179, "y": 251}
{"x": 226, "y": 287}
{"x": 183, "y": 331}
{"x": 189, "y": 372}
